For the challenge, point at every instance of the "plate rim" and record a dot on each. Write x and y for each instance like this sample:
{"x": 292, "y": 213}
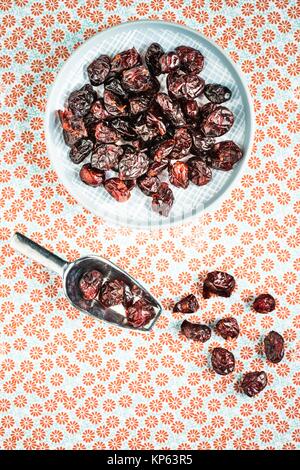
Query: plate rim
{"x": 166, "y": 222}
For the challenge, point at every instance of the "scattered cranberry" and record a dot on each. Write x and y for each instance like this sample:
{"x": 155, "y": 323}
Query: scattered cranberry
{"x": 117, "y": 189}
{"x": 91, "y": 176}
{"x": 274, "y": 347}
{"x": 217, "y": 93}
{"x": 162, "y": 201}
{"x": 125, "y": 60}
{"x": 90, "y": 284}
{"x": 191, "y": 60}
{"x": 195, "y": 331}
{"x": 178, "y": 174}
{"x": 228, "y": 328}
{"x": 140, "y": 313}
{"x": 264, "y": 303}
{"x": 222, "y": 361}
{"x": 219, "y": 283}
{"x": 188, "y": 304}
{"x": 169, "y": 62}
{"x": 98, "y": 70}
{"x": 253, "y": 383}
{"x": 112, "y": 293}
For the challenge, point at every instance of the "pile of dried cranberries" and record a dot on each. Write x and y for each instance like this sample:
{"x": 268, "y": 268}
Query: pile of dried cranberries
{"x": 222, "y": 360}
{"x": 133, "y": 132}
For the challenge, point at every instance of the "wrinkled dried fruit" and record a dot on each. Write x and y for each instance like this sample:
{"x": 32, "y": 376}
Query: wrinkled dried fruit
{"x": 106, "y": 157}
{"x": 274, "y": 347}
{"x": 191, "y": 60}
{"x": 73, "y": 127}
{"x": 80, "y": 101}
{"x": 133, "y": 165}
{"x": 179, "y": 174}
{"x": 98, "y": 70}
{"x": 106, "y": 134}
{"x": 171, "y": 109}
{"x": 150, "y": 126}
{"x": 163, "y": 200}
{"x": 114, "y": 105}
{"x": 254, "y": 382}
{"x": 112, "y": 293}
{"x": 216, "y": 93}
{"x": 114, "y": 85}
{"x": 117, "y": 189}
{"x": 163, "y": 150}
{"x": 148, "y": 184}
{"x": 140, "y": 313}
{"x": 228, "y": 328}
{"x": 140, "y": 104}
{"x": 219, "y": 283}
{"x": 169, "y": 62}
{"x": 181, "y": 85}
{"x": 155, "y": 168}
{"x": 80, "y": 150}
{"x": 97, "y": 112}
{"x": 264, "y": 303}
{"x": 124, "y": 128}
{"x": 201, "y": 143}
{"x": 195, "y": 331}
{"x": 91, "y": 176}
{"x": 218, "y": 122}
{"x": 188, "y": 304}
{"x": 125, "y": 60}
{"x": 191, "y": 110}
{"x": 90, "y": 283}
{"x": 222, "y": 361}
{"x": 152, "y": 56}
{"x": 183, "y": 143}
{"x": 224, "y": 155}
{"x": 137, "y": 80}
{"x": 199, "y": 173}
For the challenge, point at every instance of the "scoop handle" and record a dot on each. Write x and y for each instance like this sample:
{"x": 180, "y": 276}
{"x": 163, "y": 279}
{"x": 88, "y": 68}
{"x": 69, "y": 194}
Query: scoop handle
{"x": 39, "y": 254}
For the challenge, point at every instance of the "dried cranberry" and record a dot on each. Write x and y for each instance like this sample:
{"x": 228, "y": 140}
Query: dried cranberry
{"x": 218, "y": 282}
{"x": 218, "y": 122}
{"x": 152, "y": 56}
{"x": 149, "y": 126}
{"x": 224, "y": 155}
{"x": 155, "y": 168}
{"x": 264, "y": 303}
{"x": 201, "y": 143}
{"x": 228, "y": 328}
{"x": 106, "y": 134}
{"x": 80, "y": 150}
{"x": 222, "y": 361}
{"x": 191, "y": 60}
{"x": 148, "y": 184}
{"x": 114, "y": 105}
{"x": 163, "y": 200}
{"x": 124, "y": 128}
{"x": 137, "y": 79}
{"x": 125, "y": 60}
{"x": 171, "y": 109}
{"x": 91, "y": 176}
{"x": 140, "y": 104}
{"x": 163, "y": 150}
{"x": 97, "y": 112}
{"x": 181, "y": 85}
{"x": 169, "y": 62}
{"x": 133, "y": 164}
{"x": 73, "y": 127}
{"x": 114, "y": 85}
{"x": 183, "y": 143}
{"x": 112, "y": 293}
{"x": 217, "y": 93}
{"x": 199, "y": 173}
{"x": 117, "y": 189}
{"x": 106, "y": 157}
{"x": 191, "y": 110}
{"x": 80, "y": 101}
{"x": 98, "y": 70}
{"x": 274, "y": 347}
{"x": 178, "y": 174}
{"x": 188, "y": 304}
{"x": 90, "y": 283}
{"x": 140, "y": 313}
{"x": 254, "y": 382}
{"x": 195, "y": 331}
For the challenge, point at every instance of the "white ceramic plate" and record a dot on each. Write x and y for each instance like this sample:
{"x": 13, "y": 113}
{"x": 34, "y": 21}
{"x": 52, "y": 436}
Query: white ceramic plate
{"x": 219, "y": 68}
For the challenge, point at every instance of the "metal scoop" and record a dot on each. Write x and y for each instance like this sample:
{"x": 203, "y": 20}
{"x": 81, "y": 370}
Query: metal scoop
{"x": 71, "y": 274}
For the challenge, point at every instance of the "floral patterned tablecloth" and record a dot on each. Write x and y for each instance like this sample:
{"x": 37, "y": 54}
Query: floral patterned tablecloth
{"x": 68, "y": 381}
